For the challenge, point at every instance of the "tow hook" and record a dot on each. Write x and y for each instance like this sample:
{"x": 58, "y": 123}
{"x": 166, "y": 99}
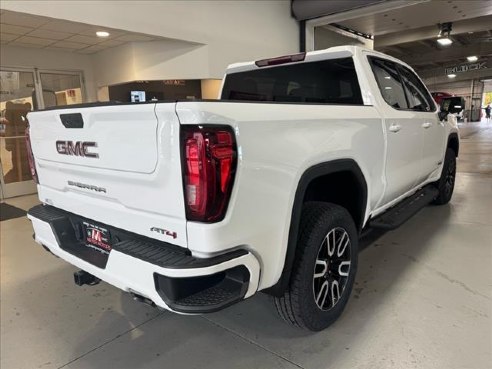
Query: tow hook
{"x": 82, "y": 277}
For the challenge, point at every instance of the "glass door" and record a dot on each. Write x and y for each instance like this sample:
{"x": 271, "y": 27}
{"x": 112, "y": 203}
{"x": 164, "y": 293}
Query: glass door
{"x": 20, "y": 92}
{"x": 17, "y": 98}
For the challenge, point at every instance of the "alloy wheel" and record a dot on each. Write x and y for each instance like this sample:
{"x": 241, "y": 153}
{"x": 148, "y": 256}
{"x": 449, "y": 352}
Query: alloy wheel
{"x": 332, "y": 268}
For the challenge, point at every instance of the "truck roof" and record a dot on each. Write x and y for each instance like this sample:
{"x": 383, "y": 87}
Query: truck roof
{"x": 334, "y": 52}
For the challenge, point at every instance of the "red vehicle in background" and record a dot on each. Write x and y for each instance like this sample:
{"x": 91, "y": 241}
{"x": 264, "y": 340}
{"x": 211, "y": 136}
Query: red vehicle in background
{"x": 438, "y": 96}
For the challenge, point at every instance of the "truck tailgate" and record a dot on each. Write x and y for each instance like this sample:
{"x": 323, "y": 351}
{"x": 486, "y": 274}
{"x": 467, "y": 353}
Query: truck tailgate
{"x": 125, "y": 136}
{"x": 116, "y": 164}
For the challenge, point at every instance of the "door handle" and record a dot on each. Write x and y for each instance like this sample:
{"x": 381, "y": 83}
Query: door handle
{"x": 394, "y": 128}
{"x": 427, "y": 125}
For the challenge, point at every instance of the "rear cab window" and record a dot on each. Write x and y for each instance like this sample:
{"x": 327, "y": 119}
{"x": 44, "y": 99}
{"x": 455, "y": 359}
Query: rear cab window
{"x": 321, "y": 82}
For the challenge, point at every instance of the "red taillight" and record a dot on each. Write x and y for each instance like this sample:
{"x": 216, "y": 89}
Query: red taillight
{"x": 209, "y": 163}
{"x": 30, "y": 157}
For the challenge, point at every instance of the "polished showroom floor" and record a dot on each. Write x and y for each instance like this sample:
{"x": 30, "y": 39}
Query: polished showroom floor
{"x": 422, "y": 300}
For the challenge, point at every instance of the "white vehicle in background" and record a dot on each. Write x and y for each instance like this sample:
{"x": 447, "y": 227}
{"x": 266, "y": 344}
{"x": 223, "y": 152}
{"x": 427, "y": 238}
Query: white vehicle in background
{"x": 196, "y": 205}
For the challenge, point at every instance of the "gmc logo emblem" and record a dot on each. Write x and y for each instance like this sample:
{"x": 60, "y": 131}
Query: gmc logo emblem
{"x": 77, "y": 148}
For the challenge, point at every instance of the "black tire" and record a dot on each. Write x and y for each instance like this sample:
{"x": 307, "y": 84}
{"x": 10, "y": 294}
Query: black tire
{"x": 445, "y": 184}
{"x": 299, "y": 306}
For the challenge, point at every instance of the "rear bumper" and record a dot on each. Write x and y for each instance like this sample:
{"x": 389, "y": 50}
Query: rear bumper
{"x": 167, "y": 275}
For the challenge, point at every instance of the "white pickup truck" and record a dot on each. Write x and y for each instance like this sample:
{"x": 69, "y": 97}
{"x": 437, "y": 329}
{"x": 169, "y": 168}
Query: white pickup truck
{"x": 195, "y": 205}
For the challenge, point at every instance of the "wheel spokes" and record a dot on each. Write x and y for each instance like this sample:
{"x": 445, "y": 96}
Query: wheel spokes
{"x": 322, "y": 263}
{"x": 335, "y": 292}
{"x": 344, "y": 265}
{"x": 323, "y": 292}
{"x": 331, "y": 243}
{"x": 332, "y": 268}
{"x": 342, "y": 244}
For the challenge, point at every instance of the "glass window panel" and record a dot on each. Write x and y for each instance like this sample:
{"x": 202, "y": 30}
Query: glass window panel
{"x": 324, "y": 82}
{"x": 16, "y": 100}
{"x": 389, "y": 83}
{"x": 61, "y": 89}
{"x": 418, "y": 97}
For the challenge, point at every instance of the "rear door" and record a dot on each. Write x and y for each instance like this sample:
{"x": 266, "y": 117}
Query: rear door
{"x": 403, "y": 131}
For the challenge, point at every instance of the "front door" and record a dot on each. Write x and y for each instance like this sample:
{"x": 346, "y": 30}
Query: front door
{"x": 421, "y": 102}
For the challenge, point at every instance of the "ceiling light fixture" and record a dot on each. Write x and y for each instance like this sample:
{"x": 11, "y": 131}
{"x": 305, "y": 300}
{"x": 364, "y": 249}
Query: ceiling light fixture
{"x": 472, "y": 58}
{"x": 102, "y": 34}
{"x": 452, "y": 75}
{"x": 443, "y": 38}
{"x": 444, "y": 41}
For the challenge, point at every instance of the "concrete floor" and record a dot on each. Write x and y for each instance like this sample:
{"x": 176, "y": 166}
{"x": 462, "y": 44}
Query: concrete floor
{"x": 422, "y": 300}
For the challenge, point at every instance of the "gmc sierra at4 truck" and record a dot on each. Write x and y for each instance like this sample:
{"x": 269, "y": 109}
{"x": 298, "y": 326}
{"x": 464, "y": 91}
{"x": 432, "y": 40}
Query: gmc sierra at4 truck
{"x": 195, "y": 205}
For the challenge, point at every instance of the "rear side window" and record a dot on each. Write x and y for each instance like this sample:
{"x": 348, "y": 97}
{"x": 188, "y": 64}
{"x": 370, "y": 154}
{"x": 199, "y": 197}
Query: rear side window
{"x": 389, "y": 82}
{"x": 324, "y": 82}
{"x": 418, "y": 97}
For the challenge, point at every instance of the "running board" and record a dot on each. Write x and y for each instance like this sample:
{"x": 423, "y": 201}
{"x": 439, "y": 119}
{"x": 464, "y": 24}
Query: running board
{"x": 401, "y": 212}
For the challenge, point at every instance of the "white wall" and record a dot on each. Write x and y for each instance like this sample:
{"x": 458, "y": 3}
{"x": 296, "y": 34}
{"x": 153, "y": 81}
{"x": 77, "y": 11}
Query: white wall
{"x": 114, "y": 65}
{"x": 231, "y": 30}
{"x": 171, "y": 60}
{"x": 13, "y": 56}
{"x": 151, "y": 61}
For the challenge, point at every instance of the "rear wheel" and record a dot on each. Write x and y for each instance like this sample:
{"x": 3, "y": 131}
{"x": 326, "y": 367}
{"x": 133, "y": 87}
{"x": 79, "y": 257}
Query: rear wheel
{"x": 324, "y": 269}
{"x": 445, "y": 184}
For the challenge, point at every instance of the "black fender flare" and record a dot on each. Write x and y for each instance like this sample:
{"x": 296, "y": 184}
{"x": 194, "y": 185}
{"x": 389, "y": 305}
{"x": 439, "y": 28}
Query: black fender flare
{"x": 453, "y": 136}
{"x": 316, "y": 171}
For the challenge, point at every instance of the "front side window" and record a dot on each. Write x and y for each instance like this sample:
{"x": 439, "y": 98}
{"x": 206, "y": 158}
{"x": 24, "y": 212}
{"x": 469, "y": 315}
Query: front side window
{"x": 324, "y": 82}
{"x": 418, "y": 97}
{"x": 389, "y": 82}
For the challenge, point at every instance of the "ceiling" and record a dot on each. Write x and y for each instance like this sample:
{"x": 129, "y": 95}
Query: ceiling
{"x": 427, "y": 54}
{"x": 308, "y": 9}
{"x": 408, "y": 30}
{"x": 21, "y": 29}
{"x": 425, "y": 13}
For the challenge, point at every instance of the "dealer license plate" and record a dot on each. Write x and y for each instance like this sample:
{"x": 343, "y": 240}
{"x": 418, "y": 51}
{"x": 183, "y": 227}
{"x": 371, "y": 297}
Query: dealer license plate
{"x": 97, "y": 238}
